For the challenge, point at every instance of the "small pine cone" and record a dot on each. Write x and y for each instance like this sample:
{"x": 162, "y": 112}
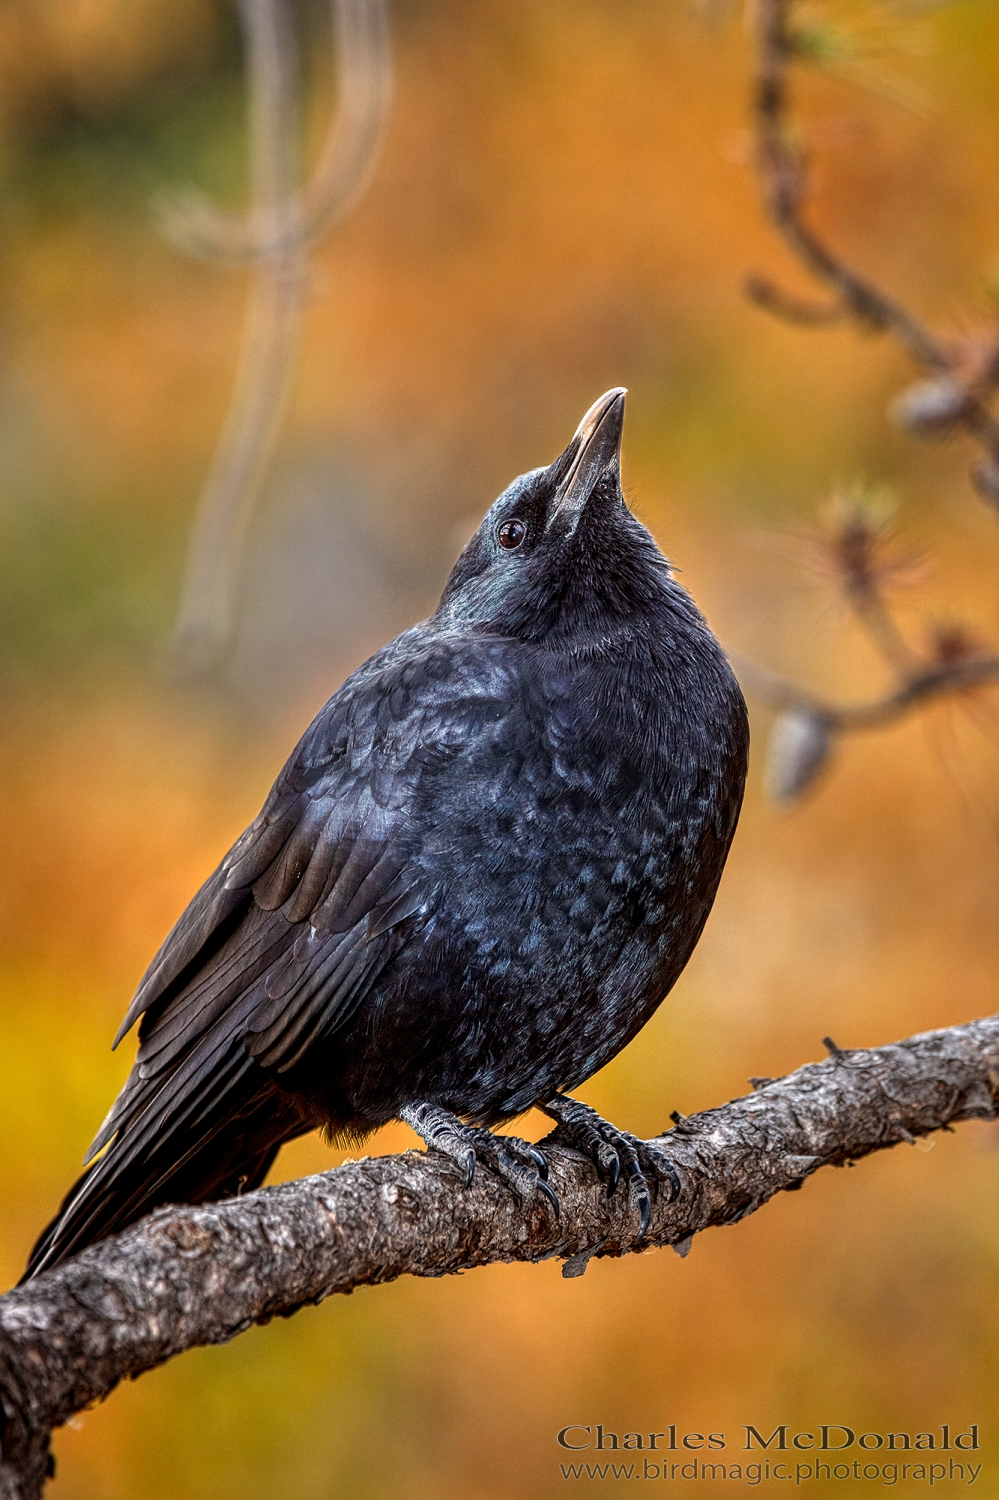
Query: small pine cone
{"x": 800, "y": 743}
{"x": 929, "y": 408}
{"x": 985, "y": 478}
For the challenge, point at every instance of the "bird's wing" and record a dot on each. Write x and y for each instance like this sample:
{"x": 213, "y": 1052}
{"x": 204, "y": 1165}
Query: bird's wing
{"x": 289, "y": 934}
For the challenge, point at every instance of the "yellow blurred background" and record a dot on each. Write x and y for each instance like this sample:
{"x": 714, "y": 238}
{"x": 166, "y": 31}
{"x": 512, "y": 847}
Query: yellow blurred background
{"x": 564, "y": 203}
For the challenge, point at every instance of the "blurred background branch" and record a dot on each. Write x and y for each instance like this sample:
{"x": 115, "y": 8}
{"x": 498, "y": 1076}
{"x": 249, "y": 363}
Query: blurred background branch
{"x": 962, "y": 375}
{"x": 292, "y": 218}
{"x": 855, "y": 549}
{"x": 274, "y": 238}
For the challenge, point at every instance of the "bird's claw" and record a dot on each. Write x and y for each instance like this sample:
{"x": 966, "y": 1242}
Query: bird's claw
{"x": 616, "y": 1154}
{"x": 518, "y": 1163}
{"x": 522, "y": 1166}
{"x": 671, "y": 1173}
{"x": 539, "y": 1159}
{"x": 644, "y": 1205}
{"x": 610, "y": 1163}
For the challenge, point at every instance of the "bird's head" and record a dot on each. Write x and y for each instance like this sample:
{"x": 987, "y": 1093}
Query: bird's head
{"x": 559, "y": 548}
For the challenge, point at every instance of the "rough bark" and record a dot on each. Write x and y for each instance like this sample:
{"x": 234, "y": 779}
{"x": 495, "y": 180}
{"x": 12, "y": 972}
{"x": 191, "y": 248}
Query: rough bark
{"x": 190, "y": 1276}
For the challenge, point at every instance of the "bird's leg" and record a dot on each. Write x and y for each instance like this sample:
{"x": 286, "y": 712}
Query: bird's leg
{"x": 615, "y": 1153}
{"x": 519, "y": 1164}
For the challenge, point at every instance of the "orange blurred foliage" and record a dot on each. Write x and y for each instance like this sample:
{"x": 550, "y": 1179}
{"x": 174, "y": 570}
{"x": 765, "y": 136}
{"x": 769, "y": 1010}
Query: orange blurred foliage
{"x": 564, "y": 204}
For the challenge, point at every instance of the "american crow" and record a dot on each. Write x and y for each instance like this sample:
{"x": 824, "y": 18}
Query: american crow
{"x": 485, "y": 864}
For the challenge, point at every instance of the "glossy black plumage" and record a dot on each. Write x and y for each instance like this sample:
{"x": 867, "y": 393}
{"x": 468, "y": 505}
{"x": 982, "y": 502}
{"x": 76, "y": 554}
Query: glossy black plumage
{"x": 482, "y": 868}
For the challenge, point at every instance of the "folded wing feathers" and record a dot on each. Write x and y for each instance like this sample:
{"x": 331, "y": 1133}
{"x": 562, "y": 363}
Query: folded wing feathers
{"x": 406, "y": 904}
{"x": 262, "y": 842}
{"x": 279, "y": 879}
{"x": 236, "y": 970}
{"x": 317, "y": 1001}
{"x": 173, "y": 1110}
{"x": 328, "y": 856}
{"x": 212, "y": 908}
{"x": 241, "y": 982}
{"x": 269, "y": 981}
{"x": 277, "y": 950}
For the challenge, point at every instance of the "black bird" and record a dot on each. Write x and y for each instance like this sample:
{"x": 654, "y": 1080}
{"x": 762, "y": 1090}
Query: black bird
{"x": 485, "y": 864}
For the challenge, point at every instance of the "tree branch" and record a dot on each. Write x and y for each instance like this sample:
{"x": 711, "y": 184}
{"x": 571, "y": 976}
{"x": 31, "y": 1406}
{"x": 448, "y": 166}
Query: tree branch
{"x": 962, "y": 374}
{"x": 956, "y": 396}
{"x": 299, "y": 217}
{"x": 784, "y": 179}
{"x": 274, "y": 237}
{"x": 203, "y": 627}
{"x": 933, "y": 681}
{"x": 190, "y": 1276}
{"x": 804, "y": 734}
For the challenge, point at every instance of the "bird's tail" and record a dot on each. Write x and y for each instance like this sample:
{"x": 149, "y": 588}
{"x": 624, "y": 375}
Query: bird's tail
{"x": 212, "y": 1158}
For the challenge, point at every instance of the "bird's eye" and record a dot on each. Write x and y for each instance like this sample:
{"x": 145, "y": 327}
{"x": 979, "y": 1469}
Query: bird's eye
{"x": 511, "y": 534}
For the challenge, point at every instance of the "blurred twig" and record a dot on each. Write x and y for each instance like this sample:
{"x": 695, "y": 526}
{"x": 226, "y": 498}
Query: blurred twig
{"x": 857, "y": 552}
{"x": 961, "y": 376}
{"x": 875, "y": 713}
{"x": 956, "y": 394}
{"x": 267, "y": 356}
{"x": 192, "y": 1276}
{"x": 856, "y": 549}
{"x": 345, "y": 164}
{"x": 804, "y": 733}
{"x": 274, "y": 238}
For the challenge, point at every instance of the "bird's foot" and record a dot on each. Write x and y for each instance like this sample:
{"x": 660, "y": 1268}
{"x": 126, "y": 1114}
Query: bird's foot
{"x": 615, "y": 1153}
{"x": 517, "y": 1163}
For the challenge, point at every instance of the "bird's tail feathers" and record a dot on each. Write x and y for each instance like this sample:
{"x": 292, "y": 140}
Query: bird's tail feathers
{"x": 215, "y": 1152}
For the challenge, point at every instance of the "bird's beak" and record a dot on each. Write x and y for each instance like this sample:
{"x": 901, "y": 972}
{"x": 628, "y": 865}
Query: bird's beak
{"x": 595, "y": 450}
